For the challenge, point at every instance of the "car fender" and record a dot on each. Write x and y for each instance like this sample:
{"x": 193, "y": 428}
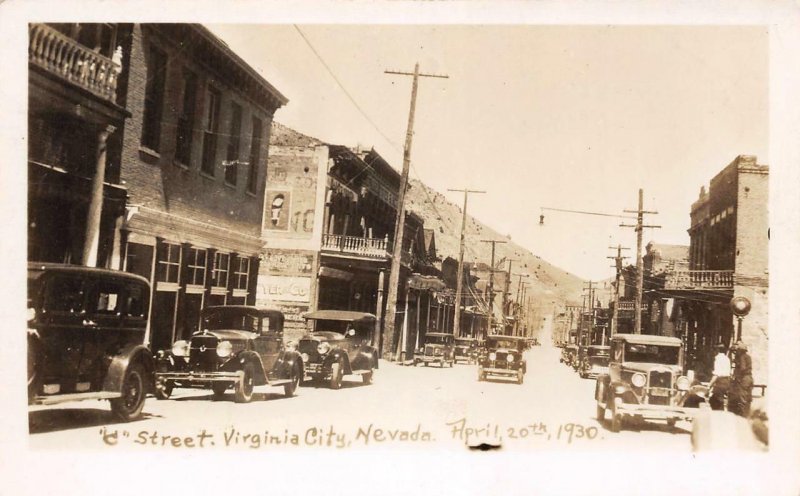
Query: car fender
{"x": 136, "y": 353}
{"x": 366, "y": 359}
{"x": 601, "y": 387}
{"x": 236, "y": 363}
{"x": 619, "y": 389}
{"x": 696, "y": 395}
{"x": 336, "y": 355}
{"x": 285, "y": 362}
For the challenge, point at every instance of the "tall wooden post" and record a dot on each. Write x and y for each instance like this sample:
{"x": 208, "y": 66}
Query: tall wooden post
{"x": 637, "y": 329}
{"x": 91, "y": 239}
{"x": 460, "y": 275}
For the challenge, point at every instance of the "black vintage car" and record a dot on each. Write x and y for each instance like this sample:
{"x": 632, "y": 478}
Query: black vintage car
{"x": 238, "y": 346}
{"x": 86, "y": 337}
{"x": 340, "y": 343}
{"x": 502, "y": 356}
{"x": 438, "y": 348}
{"x": 466, "y": 350}
{"x": 594, "y": 361}
{"x": 569, "y": 354}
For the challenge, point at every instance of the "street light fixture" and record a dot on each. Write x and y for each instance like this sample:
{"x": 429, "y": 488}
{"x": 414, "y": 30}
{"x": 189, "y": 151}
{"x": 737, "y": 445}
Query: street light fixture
{"x": 740, "y": 306}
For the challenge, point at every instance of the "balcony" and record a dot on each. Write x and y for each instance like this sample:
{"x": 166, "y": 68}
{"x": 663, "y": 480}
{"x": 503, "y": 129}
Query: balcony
{"x": 64, "y": 57}
{"x": 699, "y": 279}
{"x": 376, "y": 248}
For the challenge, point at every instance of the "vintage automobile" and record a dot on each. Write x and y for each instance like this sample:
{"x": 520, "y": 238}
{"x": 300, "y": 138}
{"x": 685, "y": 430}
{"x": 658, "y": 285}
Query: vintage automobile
{"x": 645, "y": 380}
{"x": 237, "y": 347}
{"x": 438, "y": 348}
{"x": 341, "y": 343}
{"x": 86, "y": 332}
{"x": 466, "y": 350}
{"x": 502, "y": 356}
{"x": 569, "y": 353}
{"x": 594, "y": 361}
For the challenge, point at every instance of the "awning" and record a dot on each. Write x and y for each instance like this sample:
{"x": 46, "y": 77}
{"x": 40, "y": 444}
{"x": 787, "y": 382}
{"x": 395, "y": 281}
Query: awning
{"x": 420, "y": 282}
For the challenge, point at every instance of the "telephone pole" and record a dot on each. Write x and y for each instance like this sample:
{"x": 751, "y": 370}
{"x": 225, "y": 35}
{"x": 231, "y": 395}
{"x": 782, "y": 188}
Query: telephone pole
{"x": 394, "y": 271}
{"x": 618, "y": 266}
{"x": 506, "y": 294}
{"x": 491, "y": 281}
{"x": 460, "y": 276}
{"x": 637, "y": 309}
{"x": 518, "y": 302}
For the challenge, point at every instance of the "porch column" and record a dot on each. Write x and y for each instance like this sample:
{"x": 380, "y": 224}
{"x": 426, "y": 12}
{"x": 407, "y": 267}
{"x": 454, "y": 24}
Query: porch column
{"x": 416, "y": 332}
{"x": 92, "y": 238}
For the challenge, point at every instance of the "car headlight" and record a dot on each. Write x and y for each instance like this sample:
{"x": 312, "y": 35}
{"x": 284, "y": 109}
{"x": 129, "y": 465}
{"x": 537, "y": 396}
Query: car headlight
{"x": 638, "y": 380}
{"x": 323, "y": 348}
{"x": 31, "y": 313}
{"x": 224, "y": 349}
{"x": 291, "y": 346}
{"x": 180, "y": 348}
{"x": 683, "y": 383}
{"x": 304, "y": 357}
{"x": 493, "y": 356}
{"x": 509, "y": 358}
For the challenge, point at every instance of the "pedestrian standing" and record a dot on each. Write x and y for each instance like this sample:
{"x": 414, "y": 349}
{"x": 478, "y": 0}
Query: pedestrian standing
{"x": 741, "y": 390}
{"x": 720, "y": 380}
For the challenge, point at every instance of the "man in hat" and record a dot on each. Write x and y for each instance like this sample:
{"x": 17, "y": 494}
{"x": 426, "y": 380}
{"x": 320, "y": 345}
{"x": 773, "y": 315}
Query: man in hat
{"x": 741, "y": 392}
{"x": 720, "y": 382}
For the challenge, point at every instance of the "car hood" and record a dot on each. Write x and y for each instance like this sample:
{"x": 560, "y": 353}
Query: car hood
{"x": 646, "y": 367}
{"x": 321, "y": 336}
{"x": 228, "y": 334}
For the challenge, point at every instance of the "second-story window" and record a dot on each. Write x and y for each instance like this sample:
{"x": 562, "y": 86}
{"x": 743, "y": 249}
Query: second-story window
{"x": 169, "y": 263}
{"x": 196, "y": 266}
{"x": 210, "y": 128}
{"x": 154, "y": 98}
{"x": 255, "y": 155}
{"x": 234, "y": 143}
{"x": 183, "y": 152}
{"x": 221, "y": 268}
{"x": 242, "y": 273}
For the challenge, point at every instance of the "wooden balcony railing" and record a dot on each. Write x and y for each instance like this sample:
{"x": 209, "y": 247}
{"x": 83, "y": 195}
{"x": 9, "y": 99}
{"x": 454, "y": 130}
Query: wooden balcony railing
{"x": 65, "y": 57}
{"x": 627, "y": 305}
{"x": 355, "y": 245}
{"x": 699, "y": 279}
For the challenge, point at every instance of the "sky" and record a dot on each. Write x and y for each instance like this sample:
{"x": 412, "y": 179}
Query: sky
{"x": 567, "y": 117}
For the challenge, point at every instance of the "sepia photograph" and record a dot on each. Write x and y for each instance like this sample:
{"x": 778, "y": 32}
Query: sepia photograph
{"x": 398, "y": 240}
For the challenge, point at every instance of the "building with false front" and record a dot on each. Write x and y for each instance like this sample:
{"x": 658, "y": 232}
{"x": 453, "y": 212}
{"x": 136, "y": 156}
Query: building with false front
{"x": 194, "y": 158}
{"x": 76, "y": 113}
{"x": 328, "y": 231}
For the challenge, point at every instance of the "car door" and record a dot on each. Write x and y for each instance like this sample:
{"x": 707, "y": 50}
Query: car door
{"x": 269, "y": 343}
{"x": 105, "y": 336}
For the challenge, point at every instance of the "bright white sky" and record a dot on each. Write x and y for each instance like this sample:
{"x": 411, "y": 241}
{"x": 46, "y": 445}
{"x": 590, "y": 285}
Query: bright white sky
{"x": 538, "y": 116}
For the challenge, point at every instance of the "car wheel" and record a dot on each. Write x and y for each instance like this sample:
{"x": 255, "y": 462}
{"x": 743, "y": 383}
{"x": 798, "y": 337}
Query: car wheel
{"x": 129, "y": 405}
{"x": 35, "y": 360}
{"x": 294, "y": 381}
{"x": 336, "y": 375}
{"x": 616, "y": 418}
{"x": 243, "y": 392}
{"x": 164, "y": 390}
{"x": 367, "y": 377}
{"x": 425, "y": 363}
{"x": 481, "y": 375}
{"x": 601, "y": 412}
{"x": 671, "y": 422}
{"x": 219, "y": 388}
{"x": 520, "y": 377}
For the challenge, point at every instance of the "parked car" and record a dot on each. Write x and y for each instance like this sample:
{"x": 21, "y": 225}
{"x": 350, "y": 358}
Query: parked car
{"x": 569, "y": 354}
{"x": 341, "y": 343}
{"x": 502, "y": 357}
{"x": 438, "y": 348}
{"x": 238, "y": 347}
{"x": 86, "y": 337}
{"x": 594, "y": 362}
{"x": 466, "y": 350}
{"x": 645, "y": 379}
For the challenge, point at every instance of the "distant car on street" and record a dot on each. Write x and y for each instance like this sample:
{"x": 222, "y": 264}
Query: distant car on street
{"x": 569, "y": 353}
{"x": 438, "y": 348}
{"x": 503, "y": 356}
{"x": 238, "y": 347}
{"x": 342, "y": 343}
{"x": 86, "y": 331}
{"x": 466, "y": 350}
{"x": 594, "y": 361}
{"x": 645, "y": 380}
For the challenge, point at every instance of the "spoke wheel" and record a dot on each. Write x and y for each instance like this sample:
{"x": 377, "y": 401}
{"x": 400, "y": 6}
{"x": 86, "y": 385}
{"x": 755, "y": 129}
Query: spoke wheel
{"x": 367, "y": 377}
{"x": 244, "y": 388}
{"x": 164, "y": 390}
{"x": 129, "y": 405}
{"x": 336, "y": 375}
{"x": 290, "y": 388}
{"x": 616, "y": 418}
{"x": 601, "y": 412}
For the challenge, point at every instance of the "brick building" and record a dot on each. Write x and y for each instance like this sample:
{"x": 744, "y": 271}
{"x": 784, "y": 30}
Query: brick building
{"x": 728, "y": 257}
{"x": 194, "y": 161}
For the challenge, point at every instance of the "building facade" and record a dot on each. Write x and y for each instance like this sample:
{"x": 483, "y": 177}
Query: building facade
{"x": 194, "y": 160}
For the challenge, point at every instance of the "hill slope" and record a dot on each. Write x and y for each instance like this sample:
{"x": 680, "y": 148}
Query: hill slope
{"x": 548, "y": 284}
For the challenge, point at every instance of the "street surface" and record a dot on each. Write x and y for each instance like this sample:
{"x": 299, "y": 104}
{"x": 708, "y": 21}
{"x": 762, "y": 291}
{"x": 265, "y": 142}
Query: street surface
{"x": 405, "y": 408}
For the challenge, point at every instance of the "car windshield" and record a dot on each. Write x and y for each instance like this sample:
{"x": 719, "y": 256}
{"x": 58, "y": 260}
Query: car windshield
{"x": 651, "y": 353}
{"x": 340, "y": 326}
{"x": 233, "y": 320}
{"x": 464, "y": 342}
{"x": 598, "y": 351}
{"x": 503, "y": 343}
{"x": 438, "y": 339}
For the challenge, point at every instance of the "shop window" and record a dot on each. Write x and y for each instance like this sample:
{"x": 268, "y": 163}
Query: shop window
{"x": 154, "y": 98}
{"x": 169, "y": 263}
{"x": 196, "y": 266}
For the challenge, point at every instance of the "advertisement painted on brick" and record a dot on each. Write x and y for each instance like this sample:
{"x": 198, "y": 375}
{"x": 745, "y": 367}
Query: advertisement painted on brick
{"x": 291, "y": 197}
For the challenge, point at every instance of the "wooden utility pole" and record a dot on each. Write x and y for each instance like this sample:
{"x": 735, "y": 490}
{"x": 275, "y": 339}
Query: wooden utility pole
{"x": 460, "y": 276}
{"x": 618, "y": 266}
{"x": 517, "y": 302}
{"x": 590, "y": 297}
{"x": 637, "y": 308}
{"x": 400, "y": 220}
{"x": 491, "y": 281}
